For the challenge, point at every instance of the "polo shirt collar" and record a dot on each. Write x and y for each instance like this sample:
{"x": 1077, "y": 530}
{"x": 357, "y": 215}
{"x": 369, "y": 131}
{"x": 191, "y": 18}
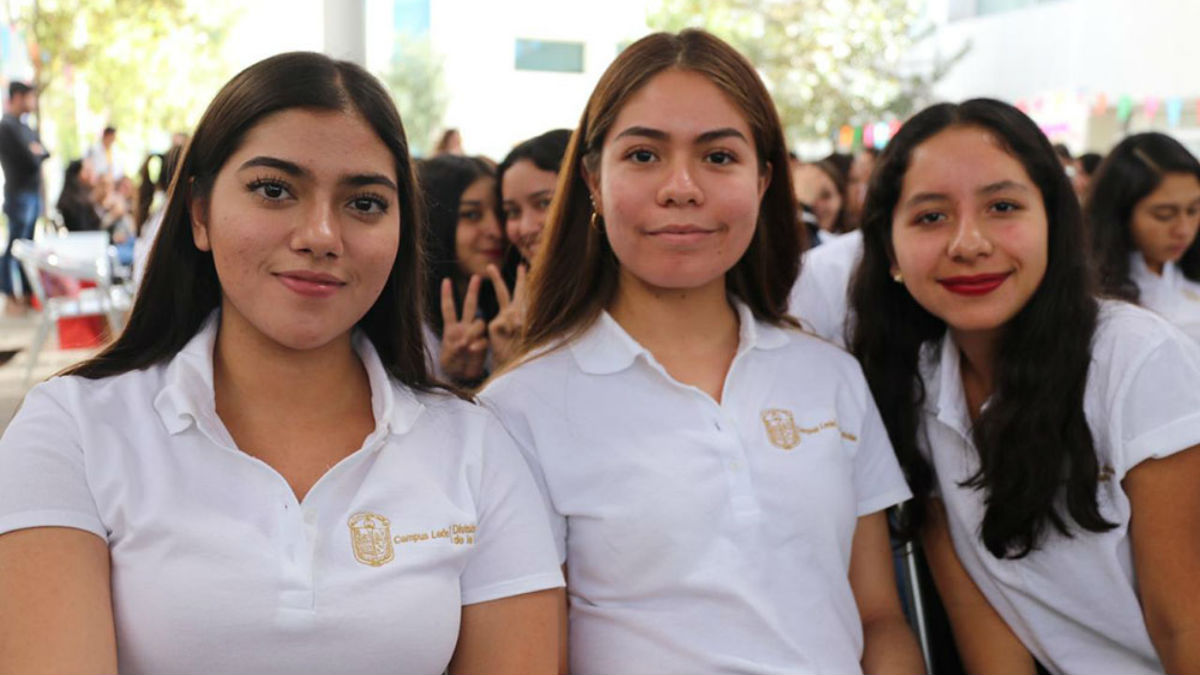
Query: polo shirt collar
{"x": 606, "y": 348}
{"x": 187, "y": 396}
{"x": 1140, "y": 272}
{"x": 944, "y": 394}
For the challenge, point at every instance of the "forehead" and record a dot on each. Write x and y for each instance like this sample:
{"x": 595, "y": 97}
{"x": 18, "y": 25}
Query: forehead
{"x": 961, "y": 158}
{"x": 1176, "y": 186}
{"x": 681, "y": 102}
{"x": 524, "y": 174}
{"x": 322, "y": 141}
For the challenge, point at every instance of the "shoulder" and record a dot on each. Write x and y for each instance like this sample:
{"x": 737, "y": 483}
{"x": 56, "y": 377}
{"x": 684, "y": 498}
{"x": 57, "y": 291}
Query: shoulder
{"x": 1124, "y": 330}
{"x": 842, "y": 252}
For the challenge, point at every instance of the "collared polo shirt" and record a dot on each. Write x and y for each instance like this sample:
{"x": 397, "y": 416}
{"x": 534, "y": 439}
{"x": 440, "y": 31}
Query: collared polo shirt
{"x": 1073, "y": 602}
{"x": 217, "y": 568}
{"x": 704, "y": 537}
{"x": 820, "y": 296}
{"x": 1174, "y": 296}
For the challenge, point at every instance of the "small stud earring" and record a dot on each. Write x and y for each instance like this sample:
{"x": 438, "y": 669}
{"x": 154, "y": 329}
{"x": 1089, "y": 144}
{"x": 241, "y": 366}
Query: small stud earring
{"x": 897, "y": 277}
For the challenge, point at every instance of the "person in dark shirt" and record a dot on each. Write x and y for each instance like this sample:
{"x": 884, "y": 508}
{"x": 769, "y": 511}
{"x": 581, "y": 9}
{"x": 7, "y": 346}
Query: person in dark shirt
{"x": 21, "y": 156}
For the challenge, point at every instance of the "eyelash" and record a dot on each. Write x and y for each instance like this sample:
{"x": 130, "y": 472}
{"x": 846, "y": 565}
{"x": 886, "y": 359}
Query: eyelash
{"x": 258, "y": 184}
{"x": 728, "y": 156}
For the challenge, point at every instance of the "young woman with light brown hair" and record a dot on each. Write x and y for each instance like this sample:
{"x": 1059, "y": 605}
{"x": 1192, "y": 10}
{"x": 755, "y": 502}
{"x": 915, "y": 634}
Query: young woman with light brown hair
{"x": 716, "y": 478}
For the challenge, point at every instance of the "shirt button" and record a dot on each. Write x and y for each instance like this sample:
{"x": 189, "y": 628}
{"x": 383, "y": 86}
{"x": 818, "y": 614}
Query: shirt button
{"x": 310, "y": 517}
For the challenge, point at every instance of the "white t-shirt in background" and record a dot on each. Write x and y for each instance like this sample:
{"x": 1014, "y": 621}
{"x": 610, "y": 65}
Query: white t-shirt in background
{"x": 820, "y": 296}
{"x": 217, "y": 568}
{"x": 1172, "y": 295}
{"x": 1074, "y": 602}
{"x": 702, "y": 537}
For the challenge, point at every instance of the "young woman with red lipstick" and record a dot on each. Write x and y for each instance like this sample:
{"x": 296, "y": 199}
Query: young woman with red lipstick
{"x": 260, "y": 475}
{"x": 464, "y": 239}
{"x": 1052, "y": 440}
{"x": 716, "y": 478}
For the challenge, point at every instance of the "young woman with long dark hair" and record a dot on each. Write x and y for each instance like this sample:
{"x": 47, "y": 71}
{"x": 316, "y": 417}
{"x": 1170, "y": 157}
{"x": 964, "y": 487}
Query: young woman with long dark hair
{"x": 1050, "y": 439}
{"x": 525, "y": 184}
{"x": 1143, "y": 209}
{"x": 464, "y": 239}
{"x": 715, "y": 477}
{"x": 260, "y": 475}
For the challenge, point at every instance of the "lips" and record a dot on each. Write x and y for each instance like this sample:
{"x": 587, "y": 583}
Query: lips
{"x": 310, "y": 284}
{"x": 976, "y": 284}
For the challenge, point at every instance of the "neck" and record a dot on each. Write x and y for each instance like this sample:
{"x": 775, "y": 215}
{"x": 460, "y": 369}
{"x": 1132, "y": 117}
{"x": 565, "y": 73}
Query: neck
{"x": 678, "y": 321}
{"x": 1155, "y": 267}
{"x": 251, "y": 371}
{"x": 977, "y": 350}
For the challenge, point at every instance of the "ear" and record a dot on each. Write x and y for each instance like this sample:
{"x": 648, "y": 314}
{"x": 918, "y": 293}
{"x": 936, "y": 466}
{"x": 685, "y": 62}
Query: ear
{"x": 198, "y": 209}
{"x": 764, "y": 180}
{"x": 593, "y": 186}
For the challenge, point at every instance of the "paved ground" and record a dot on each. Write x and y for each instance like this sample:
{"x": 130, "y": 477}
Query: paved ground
{"x": 17, "y": 333}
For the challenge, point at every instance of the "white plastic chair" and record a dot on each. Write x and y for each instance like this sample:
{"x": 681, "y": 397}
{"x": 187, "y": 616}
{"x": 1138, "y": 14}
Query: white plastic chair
{"x": 86, "y": 256}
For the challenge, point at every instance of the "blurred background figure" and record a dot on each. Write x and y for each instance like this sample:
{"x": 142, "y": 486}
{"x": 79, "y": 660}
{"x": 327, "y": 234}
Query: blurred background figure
{"x": 856, "y": 186}
{"x": 449, "y": 144}
{"x": 821, "y": 186}
{"x": 75, "y": 205}
{"x": 1144, "y": 212}
{"x": 155, "y": 179}
{"x": 21, "y": 156}
{"x": 102, "y": 154}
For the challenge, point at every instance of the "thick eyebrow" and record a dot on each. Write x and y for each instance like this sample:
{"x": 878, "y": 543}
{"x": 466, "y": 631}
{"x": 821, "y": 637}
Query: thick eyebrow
{"x": 991, "y": 188}
{"x": 1000, "y": 186}
{"x": 659, "y": 135}
{"x": 293, "y": 169}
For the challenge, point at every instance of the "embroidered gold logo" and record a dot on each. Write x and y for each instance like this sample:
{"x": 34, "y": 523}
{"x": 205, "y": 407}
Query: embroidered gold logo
{"x": 1106, "y": 473}
{"x": 1191, "y": 295}
{"x": 781, "y": 428}
{"x": 371, "y": 536}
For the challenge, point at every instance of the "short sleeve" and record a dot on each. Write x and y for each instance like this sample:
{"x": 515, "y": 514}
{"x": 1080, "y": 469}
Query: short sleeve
{"x": 878, "y": 480}
{"x": 514, "y": 552}
{"x": 43, "y": 475}
{"x": 517, "y": 425}
{"x": 1157, "y": 409}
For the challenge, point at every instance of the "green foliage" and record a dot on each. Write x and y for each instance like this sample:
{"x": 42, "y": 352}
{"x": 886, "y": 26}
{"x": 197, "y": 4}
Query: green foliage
{"x": 145, "y": 66}
{"x": 826, "y": 62}
{"x": 416, "y": 80}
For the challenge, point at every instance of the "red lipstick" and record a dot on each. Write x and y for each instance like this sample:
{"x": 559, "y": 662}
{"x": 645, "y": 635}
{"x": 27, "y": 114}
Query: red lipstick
{"x": 977, "y": 284}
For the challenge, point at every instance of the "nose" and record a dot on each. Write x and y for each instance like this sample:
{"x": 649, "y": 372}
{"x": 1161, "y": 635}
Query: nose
{"x": 489, "y": 225}
{"x": 318, "y": 233}
{"x": 969, "y": 239}
{"x": 679, "y": 186}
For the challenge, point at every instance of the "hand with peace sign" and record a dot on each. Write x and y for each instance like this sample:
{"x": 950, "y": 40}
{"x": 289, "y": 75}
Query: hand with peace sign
{"x": 464, "y": 340}
{"x": 506, "y": 328}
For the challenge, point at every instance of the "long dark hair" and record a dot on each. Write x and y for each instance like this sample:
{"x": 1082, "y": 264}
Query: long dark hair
{"x": 443, "y": 180}
{"x": 154, "y": 176}
{"x": 1133, "y": 170}
{"x": 1033, "y": 439}
{"x": 575, "y": 275}
{"x": 181, "y": 286}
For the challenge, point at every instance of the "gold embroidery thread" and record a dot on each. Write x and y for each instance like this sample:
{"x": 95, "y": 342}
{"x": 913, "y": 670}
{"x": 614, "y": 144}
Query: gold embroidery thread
{"x": 781, "y": 428}
{"x": 371, "y": 537}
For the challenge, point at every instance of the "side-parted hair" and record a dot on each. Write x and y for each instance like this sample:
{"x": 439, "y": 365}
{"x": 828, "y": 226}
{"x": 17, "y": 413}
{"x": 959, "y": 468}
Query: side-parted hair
{"x": 443, "y": 180}
{"x": 574, "y": 276}
{"x": 1037, "y": 461}
{"x": 181, "y": 287}
{"x": 1133, "y": 170}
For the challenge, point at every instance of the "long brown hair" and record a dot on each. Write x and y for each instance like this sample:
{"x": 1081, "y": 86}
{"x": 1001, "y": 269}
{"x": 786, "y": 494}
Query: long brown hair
{"x": 575, "y": 274}
{"x": 181, "y": 286}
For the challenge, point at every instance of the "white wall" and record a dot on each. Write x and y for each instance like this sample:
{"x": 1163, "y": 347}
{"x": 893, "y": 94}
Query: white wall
{"x": 496, "y": 106}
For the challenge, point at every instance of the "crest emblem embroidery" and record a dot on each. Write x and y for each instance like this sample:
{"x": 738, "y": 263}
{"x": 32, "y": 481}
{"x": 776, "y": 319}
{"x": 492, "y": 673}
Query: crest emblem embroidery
{"x": 781, "y": 428}
{"x": 371, "y": 537}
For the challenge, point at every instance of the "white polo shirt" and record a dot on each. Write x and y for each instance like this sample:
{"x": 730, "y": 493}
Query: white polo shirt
{"x": 703, "y": 537}
{"x": 820, "y": 296}
{"x": 216, "y": 568}
{"x": 1073, "y": 602}
{"x": 1172, "y": 295}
